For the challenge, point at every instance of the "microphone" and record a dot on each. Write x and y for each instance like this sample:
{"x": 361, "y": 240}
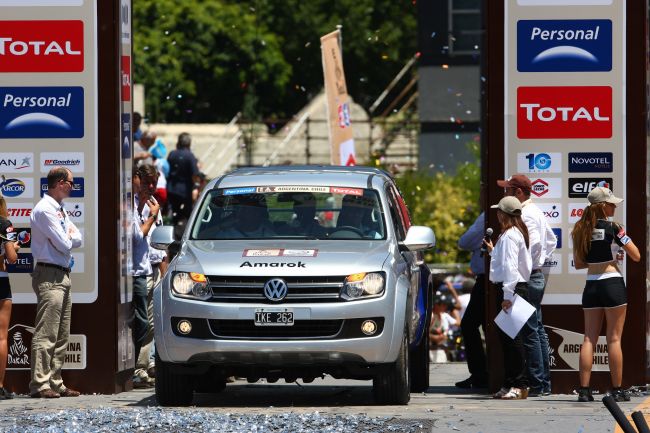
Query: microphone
{"x": 487, "y": 237}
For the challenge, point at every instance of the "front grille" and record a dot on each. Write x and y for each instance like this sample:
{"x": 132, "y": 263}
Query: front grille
{"x": 300, "y": 289}
{"x": 306, "y": 329}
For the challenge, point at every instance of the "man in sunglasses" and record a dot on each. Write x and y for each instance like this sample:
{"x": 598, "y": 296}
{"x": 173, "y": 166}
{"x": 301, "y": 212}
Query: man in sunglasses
{"x": 53, "y": 237}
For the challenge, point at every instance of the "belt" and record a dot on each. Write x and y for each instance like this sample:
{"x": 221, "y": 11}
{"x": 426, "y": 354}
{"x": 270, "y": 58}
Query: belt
{"x": 52, "y": 265}
{"x": 536, "y": 271}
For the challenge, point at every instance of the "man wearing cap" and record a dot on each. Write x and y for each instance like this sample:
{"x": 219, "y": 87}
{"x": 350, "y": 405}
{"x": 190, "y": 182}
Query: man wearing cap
{"x": 542, "y": 244}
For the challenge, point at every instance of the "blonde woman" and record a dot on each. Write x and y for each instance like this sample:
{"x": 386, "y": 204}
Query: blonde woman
{"x": 510, "y": 268}
{"x": 8, "y": 252}
{"x": 605, "y": 294}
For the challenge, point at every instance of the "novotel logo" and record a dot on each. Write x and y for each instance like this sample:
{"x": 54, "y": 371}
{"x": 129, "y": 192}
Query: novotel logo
{"x": 591, "y": 162}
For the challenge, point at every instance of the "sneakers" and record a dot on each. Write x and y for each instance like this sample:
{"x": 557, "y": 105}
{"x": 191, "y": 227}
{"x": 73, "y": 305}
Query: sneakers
{"x": 538, "y": 393}
{"x": 142, "y": 380}
{"x": 620, "y": 394}
{"x": 516, "y": 394}
{"x": 5, "y": 394}
{"x": 500, "y": 393}
{"x": 584, "y": 394}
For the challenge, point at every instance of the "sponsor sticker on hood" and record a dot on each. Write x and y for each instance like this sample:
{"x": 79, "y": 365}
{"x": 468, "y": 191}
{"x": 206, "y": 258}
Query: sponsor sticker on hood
{"x": 280, "y": 252}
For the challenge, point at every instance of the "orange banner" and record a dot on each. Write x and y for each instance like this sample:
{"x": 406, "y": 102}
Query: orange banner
{"x": 338, "y": 103}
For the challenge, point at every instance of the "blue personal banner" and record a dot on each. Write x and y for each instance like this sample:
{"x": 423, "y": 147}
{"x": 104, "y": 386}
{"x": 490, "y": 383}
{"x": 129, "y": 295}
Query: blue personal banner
{"x": 41, "y": 112}
{"x": 564, "y": 45}
{"x": 77, "y": 190}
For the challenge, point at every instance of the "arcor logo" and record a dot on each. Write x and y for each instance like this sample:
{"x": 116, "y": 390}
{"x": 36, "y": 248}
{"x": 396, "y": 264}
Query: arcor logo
{"x": 564, "y": 112}
{"x": 41, "y": 46}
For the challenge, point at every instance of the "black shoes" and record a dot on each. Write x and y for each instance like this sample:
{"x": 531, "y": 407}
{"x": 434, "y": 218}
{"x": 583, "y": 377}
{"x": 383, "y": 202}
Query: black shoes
{"x": 471, "y": 382}
{"x": 6, "y": 394}
{"x": 584, "y": 394}
{"x": 620, "y": 394}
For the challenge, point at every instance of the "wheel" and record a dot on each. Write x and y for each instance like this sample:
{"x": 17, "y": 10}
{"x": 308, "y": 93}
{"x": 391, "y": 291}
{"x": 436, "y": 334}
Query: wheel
{"x": 172, "y": 389}
{"x": 392, "y": 385}
{"x": 210, "y": 383}
{"x": 419, "y": 367}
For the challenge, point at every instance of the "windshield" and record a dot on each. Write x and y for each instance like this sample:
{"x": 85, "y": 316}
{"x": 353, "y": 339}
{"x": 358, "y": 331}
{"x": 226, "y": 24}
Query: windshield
{"x": 286, "y": 212}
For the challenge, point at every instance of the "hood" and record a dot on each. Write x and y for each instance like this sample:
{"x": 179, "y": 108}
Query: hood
{"x": 282, "y": 258}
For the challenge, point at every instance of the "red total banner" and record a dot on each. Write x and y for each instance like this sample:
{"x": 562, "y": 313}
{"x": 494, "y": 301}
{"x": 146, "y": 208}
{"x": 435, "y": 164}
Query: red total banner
{"x": 42, "y": 46}
{"x": 564, "y": 112}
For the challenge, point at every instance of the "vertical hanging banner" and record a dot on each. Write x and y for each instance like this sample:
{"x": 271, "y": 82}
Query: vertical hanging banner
{"x": 338, "y": 102}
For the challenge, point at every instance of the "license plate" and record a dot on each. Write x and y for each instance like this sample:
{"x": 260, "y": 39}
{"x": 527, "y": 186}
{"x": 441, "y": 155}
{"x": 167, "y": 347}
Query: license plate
{"x": 273, "y": 317}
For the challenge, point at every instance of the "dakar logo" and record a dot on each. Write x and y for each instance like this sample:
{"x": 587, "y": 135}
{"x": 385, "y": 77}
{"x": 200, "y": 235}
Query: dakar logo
{"x": 18, "y": 353}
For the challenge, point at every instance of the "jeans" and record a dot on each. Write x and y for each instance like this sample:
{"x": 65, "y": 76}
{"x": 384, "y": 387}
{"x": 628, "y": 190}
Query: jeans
{"x": 535, "y": 338}
{"x": 474, "y": 318}
{"x": 141, "y": 318}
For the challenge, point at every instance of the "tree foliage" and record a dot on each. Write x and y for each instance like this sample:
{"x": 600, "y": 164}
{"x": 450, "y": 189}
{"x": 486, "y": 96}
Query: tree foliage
{"x": 448, "y": 204}
{"x": 200, "y": 59}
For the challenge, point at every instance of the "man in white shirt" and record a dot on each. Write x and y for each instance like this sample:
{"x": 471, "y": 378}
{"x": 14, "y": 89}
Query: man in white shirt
{"x": 53, "y": 237}
{"x": 542, "y": 244}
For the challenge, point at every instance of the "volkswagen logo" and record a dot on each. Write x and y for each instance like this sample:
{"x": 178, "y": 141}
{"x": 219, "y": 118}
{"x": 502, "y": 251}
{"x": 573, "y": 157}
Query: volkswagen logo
{"x": 275, "y": 289}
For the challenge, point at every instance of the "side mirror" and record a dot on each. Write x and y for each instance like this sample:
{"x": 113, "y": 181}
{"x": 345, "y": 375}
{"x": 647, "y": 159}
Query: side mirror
{"x": 419, "y": 238}
{"x": 162, "y": 237}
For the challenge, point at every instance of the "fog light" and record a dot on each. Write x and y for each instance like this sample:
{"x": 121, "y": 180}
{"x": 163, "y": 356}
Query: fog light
{"x": 184, "y": 327}
{"x": 369, "y": 327}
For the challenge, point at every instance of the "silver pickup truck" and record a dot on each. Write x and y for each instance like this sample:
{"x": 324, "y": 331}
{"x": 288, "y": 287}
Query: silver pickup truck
{"x": 294, "y": 273}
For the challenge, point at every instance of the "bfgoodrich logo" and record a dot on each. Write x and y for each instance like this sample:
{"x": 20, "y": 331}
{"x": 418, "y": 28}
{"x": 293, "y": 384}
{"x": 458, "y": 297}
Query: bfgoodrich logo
{"x": 564, "y": 112}
{"x": 564, "y": 45}
{"x": 41, "y": 112}
{"x": 73, "y": 161}
{"x": 590, "y": 162}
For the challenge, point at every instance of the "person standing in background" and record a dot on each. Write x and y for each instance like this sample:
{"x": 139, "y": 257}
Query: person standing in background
{"x": 605, "y": 294}
{"x": 53, "y": 237}
{"x": 182, "y": 180}
{"x": 542, "y": 244}
{"x": 9, "y": 247}
{"x": 474, "y": 316}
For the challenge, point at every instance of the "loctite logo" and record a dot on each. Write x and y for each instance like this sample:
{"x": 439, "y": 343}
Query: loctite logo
{"x": 41, "y": 46}
{"x": 575, "y": 211}
{"x": 564, "y": 112}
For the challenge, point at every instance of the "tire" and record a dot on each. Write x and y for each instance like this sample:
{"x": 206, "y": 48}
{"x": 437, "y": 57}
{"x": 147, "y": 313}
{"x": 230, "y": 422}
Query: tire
{"x": 210, "y": 383}
{"x": 172, "y": 389}
{"x": 391, "y": 386}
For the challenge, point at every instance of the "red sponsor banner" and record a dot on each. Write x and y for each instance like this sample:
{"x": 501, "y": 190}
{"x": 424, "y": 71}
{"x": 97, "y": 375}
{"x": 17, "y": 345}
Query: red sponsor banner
{"x": 126, "y": 78}
{"x": 564, "y": 112}
{"x": 343, "y": 190}
{"x": 41, "y": 46}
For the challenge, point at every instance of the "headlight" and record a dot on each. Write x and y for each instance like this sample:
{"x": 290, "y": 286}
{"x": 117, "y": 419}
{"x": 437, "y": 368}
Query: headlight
{"x": 191, "y": 284}
{"x": 363, "y": 285}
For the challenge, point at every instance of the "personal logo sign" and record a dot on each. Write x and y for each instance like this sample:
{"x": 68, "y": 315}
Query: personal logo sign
{"x": 564, "y": 112}
{"x": 41, "y": 112}
{"x": 42, "y": 46}
{"x": 564, "y": 45}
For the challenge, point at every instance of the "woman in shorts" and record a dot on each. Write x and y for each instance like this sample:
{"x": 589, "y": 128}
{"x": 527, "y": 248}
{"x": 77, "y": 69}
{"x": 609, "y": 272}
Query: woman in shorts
{"x": 9, "y": 247}
{"x": 594, "y": 239}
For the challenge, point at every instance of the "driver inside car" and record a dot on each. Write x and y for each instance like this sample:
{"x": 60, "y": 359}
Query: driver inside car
{"x": 305, "y": 223}
{"x": 250, "y": 220}
{"x": 356, "y": 213}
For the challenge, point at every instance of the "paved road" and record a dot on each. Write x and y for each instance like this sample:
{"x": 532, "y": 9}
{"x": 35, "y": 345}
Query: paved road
{"x": 442, "y": 409}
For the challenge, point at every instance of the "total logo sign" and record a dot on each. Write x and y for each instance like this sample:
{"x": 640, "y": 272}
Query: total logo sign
{"x": 16, "y": 162}
{"x": 16, "y": 187}
{"x": 539, "y": 162}
{"x": 42, "y": 46}
{"x": 547, "y": 188}
{"x": 552, "y": 212}
{"x": 564, "y": 45}
{"x": 575, "y": 211}
{"x": 41, "y": 112}
{"x": 564, "y": 112}
{"x": 126, "y": 78}
{"x": 19, "y": 212}
{"x": 580, "y": 187}
{"x": 73, "y": 161}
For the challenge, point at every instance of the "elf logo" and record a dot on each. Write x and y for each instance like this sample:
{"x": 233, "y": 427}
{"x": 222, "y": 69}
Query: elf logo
{"x": 580, "y": 187}
{"x": 564, "y": 45}
{"x": 41, "y": 46}
{"x": 564, "y": 112}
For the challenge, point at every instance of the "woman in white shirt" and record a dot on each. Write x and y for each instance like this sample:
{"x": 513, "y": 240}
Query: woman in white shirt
{"x": 510, "y": 266}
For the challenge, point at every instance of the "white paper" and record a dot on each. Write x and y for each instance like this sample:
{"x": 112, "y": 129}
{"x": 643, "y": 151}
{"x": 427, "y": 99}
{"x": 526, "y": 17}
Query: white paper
{"x": 512, "y": 321}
